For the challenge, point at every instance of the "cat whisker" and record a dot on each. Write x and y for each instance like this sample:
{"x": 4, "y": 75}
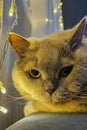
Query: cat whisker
{"x": 10, "y": 96}
{"x": 13, "y": 99}
{"x": 79, "y": 96}
{"x": 16, "y": 98}
{"x": 82, "y": 97}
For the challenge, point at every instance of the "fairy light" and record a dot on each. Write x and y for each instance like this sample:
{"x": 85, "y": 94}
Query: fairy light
{"x": 55, "y": 11}
{"x": 4, "y": 110}
{"x": 46, "y": 20}
{"x": 61, "y": 25}
{"x": 60, "y": 19}
{"x": 61, "y": 22}
{"x": 60, "y": 5}
{"x": 11, "y": 10}
{"x": 2, "y": 88}
{"x": 58, "y": 11}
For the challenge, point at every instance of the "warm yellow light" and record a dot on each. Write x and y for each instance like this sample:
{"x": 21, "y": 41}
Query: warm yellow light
{"x": 61, "y": 25}
{"x": 60, "y": 19}
{"x": 59, "y": 5}
{"x": 46, "y": 20}
{"x": 2, "y": 109}
{"x": 11, "y": 10}
{"x": 55, "y": 11}
{"x": 10, "y": 14}
{"x": 2, "y": 88}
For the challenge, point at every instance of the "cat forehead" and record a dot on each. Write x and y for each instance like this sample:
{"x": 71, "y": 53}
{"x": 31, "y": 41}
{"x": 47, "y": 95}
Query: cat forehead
{"x": 59, "y": 38}
{"x": 50, "y": 56}
{"x": 50, "y": 48}
{"x": 56, "y": 39}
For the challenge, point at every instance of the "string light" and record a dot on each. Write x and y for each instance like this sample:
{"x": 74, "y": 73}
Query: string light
{"x": 4, "y": 110}
{"x": 46, "y": 20}
{"x": 58, "y": 10}
{"x": 61, "y": 25}
{"x": 11, "y": 10}
{"x": 61, "y": 22}
{"x": 55, "y": 11}
{"x": 59, "y": 5}
{"x": 2, "y": 88}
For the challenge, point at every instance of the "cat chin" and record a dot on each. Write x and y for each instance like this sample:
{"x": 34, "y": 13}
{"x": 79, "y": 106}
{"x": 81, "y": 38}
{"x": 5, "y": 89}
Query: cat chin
{"x": 58, "y": 100}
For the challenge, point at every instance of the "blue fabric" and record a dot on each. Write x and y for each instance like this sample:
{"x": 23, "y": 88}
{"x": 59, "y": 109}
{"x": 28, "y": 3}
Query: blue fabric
{"x": 52, "y": 121}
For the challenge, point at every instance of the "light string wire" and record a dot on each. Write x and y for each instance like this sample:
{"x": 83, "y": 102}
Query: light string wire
{"x": 5, "y": 49}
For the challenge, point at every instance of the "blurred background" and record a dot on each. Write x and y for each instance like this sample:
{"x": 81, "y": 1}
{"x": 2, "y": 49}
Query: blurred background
{"x": 29, "y": 18}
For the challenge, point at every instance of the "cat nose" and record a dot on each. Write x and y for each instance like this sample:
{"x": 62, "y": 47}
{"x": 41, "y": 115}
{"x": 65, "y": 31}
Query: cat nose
{"x": 54, "y": 84}
{"x": 50, "y": 91}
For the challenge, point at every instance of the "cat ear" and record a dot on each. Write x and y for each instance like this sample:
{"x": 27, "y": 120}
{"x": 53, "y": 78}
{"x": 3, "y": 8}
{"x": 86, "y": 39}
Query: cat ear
{"x": 77, "y": 34}
{"x": 19, "y": 43}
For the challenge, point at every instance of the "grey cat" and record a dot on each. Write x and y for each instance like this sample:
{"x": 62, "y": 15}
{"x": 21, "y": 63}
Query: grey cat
{"x": 51, "y": 72}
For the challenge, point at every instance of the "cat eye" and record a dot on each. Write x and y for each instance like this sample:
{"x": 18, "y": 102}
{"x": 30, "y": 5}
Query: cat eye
{"x": 34, "y": 73}
{"x": 66, "y": 70}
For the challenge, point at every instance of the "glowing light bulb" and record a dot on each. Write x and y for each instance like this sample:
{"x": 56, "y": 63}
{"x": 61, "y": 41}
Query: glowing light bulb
{"x": 61, "y": 17}
{"x": 55, "y": 11}
{"x": 3, "y": 90}
{"x": 10, "y": 14}
{"x": 4, "y": 110}
{"x": 61, "y": 25}
{"x": 60, "y": 5}
{"x": 11, "y": 10}
{"x": 46, "y": 20}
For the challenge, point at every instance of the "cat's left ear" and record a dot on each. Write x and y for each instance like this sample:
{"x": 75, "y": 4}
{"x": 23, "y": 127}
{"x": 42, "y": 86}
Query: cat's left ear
{"x": 19, "y": 43}
{"x": 77, "y": 34}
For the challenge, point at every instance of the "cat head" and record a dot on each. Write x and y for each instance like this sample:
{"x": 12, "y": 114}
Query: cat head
{"x": 50, "y": 68}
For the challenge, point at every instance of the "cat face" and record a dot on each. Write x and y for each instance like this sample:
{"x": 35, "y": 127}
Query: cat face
{"x": 51, "y": 68}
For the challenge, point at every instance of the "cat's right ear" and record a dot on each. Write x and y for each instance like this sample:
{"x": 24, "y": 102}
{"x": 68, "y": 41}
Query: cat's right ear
{"x": 77, "y": 34}
{"x": 19, "y": 43}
